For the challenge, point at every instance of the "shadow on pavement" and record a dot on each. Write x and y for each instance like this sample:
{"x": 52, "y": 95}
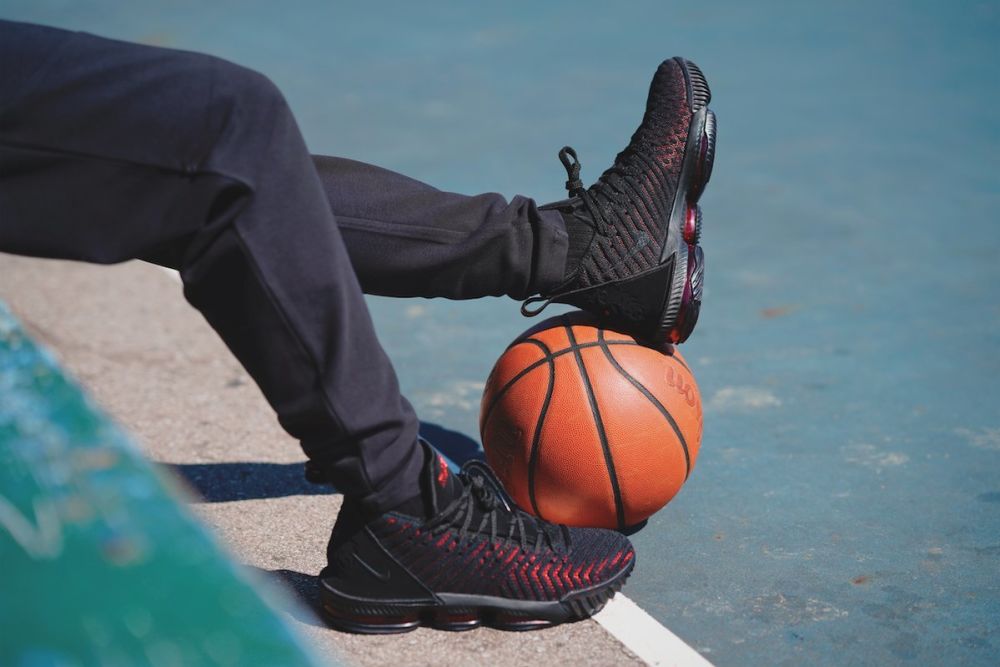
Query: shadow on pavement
{"x": 221, "y": 482}
{"x": 300, "y": 587}
{"x": 248, "y": 480}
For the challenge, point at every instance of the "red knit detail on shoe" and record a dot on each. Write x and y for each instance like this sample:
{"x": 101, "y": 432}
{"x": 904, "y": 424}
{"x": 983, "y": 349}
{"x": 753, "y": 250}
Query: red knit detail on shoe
{"x": 514, "y": 552}
{"x": 533, "y": 572}
{"x": 446, "y": 558}
{"x": 547, "y": 579}
{"x": 566, "y": 576}
{"x": 475, "y": 552}
{"x": 442, "y": 474}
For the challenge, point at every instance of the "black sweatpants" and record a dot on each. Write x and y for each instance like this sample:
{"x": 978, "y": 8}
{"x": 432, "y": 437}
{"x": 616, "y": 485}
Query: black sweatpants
{"x": 111, "y": 151}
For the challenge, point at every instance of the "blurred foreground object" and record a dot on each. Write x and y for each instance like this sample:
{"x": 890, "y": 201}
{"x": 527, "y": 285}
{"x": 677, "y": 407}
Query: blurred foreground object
{"x": 99, "y": 562}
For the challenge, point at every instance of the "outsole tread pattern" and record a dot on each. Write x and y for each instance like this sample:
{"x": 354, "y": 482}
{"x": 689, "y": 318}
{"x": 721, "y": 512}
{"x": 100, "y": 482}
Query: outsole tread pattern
{"x": 701, "y": 94}
{"x": 361, "y": 619}
{"x": 701, "y": 147}
{"x": 709, "y": 158}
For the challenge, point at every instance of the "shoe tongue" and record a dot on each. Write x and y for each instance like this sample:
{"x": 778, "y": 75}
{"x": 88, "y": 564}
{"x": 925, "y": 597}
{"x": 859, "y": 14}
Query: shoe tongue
{"x": 507, "y": 508}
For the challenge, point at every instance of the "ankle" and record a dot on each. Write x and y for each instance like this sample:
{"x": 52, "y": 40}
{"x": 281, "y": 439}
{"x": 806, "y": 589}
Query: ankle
{"x": 438, "y": 487}
{"x": 580, "y": 234}
{"x": 415, "y": 507}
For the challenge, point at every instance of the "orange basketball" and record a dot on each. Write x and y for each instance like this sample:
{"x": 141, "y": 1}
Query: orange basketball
{"x": 584, "y": 426}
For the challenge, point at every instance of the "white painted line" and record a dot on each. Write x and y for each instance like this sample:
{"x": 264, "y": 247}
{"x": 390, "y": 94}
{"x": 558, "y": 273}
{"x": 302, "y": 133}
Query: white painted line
{"x": 643, "y": 635}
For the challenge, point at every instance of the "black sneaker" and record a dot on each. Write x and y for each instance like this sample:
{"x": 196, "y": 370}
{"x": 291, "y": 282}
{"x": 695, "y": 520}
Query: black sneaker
{"x": 477, "y": 559}
{"x": 634, "y": 257}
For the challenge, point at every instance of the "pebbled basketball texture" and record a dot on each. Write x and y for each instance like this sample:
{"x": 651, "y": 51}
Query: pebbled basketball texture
{"x": 585, "y": 426}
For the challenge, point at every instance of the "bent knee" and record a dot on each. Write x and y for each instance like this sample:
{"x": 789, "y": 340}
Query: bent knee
{"x": 243, "y": 95}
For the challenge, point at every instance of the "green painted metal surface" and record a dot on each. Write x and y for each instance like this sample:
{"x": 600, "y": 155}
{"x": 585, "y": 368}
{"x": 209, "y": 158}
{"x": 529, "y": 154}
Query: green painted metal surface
{"x": 99, "y": 564}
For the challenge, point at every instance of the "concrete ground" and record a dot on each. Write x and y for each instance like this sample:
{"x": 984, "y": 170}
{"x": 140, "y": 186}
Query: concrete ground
{"x": 128, "y": 336}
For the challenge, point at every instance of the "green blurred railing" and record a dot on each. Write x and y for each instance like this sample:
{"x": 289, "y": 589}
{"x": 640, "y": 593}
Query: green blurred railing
{"x": 100, "y": 563}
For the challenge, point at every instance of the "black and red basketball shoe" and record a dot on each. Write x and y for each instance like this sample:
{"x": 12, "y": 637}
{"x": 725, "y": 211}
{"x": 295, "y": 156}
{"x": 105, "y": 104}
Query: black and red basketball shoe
{"x": 634, "y": 259}
{"x": 477, "y": 559}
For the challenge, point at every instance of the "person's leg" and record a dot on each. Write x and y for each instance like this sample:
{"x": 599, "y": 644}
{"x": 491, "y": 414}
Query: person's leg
{"x": 627, "y": 249}
{"x": 406, "y": 238}
{"x": 110, "y": 151}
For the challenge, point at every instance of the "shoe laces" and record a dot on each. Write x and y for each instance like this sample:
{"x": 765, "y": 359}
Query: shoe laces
{"x": 608, "y": 199}
{"x": 482, "y": 500}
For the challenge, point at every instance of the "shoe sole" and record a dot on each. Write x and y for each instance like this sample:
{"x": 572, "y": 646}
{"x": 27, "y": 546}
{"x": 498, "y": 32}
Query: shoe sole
{"x": 458, "y": 612}
{"x": 680, "y": 312}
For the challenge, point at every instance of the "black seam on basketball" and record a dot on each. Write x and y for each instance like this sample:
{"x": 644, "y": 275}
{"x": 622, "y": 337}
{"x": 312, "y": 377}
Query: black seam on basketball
{"x": 535, "y": 364}
{"x": 536, "y": 438}
{"x": 524, "y": 339}
{"x": 659, "y": 406}
{"x": 513, "y": 380}
{"x": 608, "y": 459}
{"x": 623, "y": 341}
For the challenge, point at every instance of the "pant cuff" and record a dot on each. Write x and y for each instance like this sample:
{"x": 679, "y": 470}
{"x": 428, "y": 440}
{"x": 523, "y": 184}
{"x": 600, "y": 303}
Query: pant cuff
{"x": 550, "y": 251}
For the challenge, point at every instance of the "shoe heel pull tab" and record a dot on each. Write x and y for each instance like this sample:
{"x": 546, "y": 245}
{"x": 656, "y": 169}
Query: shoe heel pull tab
{"x": 528, "y": 311}
{"x": 572, "y": 164}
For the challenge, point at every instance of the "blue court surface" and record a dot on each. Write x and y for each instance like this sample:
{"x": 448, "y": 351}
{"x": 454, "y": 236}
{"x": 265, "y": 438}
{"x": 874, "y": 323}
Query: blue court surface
{"x": 845, "y": 508}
